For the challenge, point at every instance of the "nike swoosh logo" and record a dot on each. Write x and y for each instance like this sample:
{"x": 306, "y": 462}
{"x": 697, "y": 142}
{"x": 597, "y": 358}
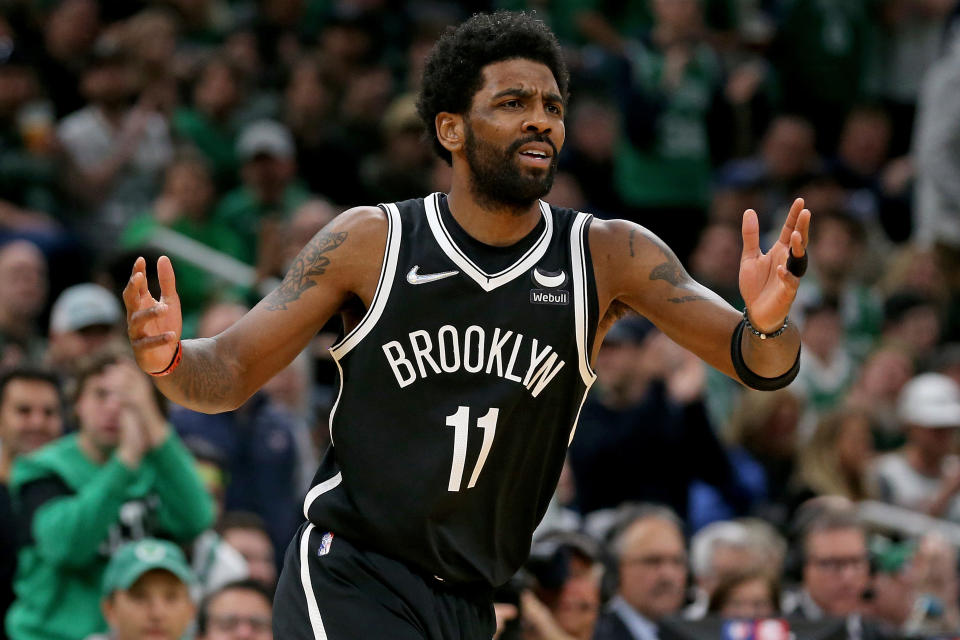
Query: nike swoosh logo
{"x": 414, "y": 277}
{"x": 545, "y": 280}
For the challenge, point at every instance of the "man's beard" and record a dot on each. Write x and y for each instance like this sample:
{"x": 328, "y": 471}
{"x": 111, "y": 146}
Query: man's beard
{"x": 497, "y": 179}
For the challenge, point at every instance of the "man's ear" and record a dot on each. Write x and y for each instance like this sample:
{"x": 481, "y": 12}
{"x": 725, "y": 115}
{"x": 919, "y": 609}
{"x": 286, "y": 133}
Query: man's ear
{"x": 450, "y": 130}
{"x": 106, "y": 606}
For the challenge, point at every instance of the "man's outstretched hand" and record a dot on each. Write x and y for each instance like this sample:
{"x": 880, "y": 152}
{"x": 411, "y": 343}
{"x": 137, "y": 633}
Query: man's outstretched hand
{"x": 768, "y": 289}
{"x": 153, "y": 326}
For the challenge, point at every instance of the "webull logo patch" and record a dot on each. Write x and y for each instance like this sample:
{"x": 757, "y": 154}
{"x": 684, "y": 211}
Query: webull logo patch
{"x": 544, "y": 296}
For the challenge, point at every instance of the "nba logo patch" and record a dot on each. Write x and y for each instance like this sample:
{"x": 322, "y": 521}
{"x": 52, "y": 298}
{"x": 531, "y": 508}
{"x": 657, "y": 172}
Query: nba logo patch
{"x": 738, "y": 630}
{"x": 325, "y": 542}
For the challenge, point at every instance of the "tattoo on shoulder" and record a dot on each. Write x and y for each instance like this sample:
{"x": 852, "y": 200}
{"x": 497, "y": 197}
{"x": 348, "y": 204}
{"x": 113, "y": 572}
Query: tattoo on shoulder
{"x": 632, "y": 232}
{"x": 670, "y": 269}
{"x": 311, "y": 262}
{"x": 673, "y": 272}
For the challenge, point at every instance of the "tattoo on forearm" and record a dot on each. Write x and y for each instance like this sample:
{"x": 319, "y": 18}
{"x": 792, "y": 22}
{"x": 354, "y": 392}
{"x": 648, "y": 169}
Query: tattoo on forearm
{"x": 632, "y": 232}
{"x": 202, "y": 375}
{"x": 686, "y": 299}
{"x": 309, "y": 263}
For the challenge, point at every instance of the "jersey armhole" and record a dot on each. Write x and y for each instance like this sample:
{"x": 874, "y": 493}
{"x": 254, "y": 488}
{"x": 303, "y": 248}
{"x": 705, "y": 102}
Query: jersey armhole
{"x": 584, "y": 294}
{"x": 382, "y": 293}
{"x": 593, "y": 300}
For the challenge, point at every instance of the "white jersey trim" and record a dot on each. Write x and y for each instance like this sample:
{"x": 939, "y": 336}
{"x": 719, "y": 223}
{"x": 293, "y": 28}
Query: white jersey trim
{"x": 581, "y": 305}
{"x": 488, "y": 282}
{"x": 576, "y": 421}
{"x": 387, "y": 271}
{"x": 319, "y": 490}
{"x": 333, "y": 409}
{"x": 316, "y": 622}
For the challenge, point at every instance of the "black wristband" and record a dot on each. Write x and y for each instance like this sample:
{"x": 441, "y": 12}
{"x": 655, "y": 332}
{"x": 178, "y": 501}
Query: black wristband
{"x": 750, "y": 378}
{"x": 797, "y": 266}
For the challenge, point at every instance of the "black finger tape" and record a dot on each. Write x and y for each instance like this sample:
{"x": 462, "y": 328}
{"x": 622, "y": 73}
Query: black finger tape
{"x": 797, "y": 266}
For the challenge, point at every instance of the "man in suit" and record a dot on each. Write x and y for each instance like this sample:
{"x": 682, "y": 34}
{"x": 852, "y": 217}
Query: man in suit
{"x": 836, "y": 572}
{"x": 652, "y": 568}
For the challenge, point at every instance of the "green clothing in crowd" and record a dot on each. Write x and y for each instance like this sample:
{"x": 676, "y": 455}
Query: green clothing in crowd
{"x": 823, "y": 48}
{"x": 242, "y": 212}
{"x": 79, "y": 512}
{"x": 195, "y": 286}
{"x": 216, "y": 142}
{"x": 631, "y": 19}
{"x": 861, "y": 311}
{"x": 674, "y": 169}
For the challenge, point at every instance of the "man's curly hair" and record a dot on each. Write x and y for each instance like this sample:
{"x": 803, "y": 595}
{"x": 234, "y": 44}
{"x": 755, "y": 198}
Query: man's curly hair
{"x": 454, "y": 69}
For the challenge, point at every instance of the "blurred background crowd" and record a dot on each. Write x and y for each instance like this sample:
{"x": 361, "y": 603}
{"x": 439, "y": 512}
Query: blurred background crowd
{"x": 225, "y": 133}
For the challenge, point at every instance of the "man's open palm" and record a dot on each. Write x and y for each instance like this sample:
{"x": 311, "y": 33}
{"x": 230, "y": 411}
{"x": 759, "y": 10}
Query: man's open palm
{"x": 768, "y": 289}
{"x": 154, "y": 326}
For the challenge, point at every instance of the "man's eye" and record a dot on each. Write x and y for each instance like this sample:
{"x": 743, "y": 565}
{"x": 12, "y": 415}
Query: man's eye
{"x": 512, "y": 104}
{"x": 552, "y": 108}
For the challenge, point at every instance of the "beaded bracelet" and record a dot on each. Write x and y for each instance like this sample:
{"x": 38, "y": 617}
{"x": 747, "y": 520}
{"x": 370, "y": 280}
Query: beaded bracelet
{"x": 177, "y": 357}
{"x": 760, "y": 334}
{"x": 747, "y": 376}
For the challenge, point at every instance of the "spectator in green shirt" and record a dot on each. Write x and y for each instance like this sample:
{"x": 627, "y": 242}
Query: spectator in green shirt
{"x": 211, "y": 122}
{"x": 662, "y": 166}
{"x": 270, "y": 191}
{"x": 186, "y": 206}
{"x": 821, "y": 54}
{"x": 123, "y": 476}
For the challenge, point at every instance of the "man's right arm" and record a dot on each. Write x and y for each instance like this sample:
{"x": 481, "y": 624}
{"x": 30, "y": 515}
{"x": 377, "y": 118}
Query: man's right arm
{"x": 68, "y": 527}
{"x": 218, "y": 374}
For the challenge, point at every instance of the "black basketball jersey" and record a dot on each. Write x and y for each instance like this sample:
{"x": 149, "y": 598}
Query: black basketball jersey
{"x": 459, "y": 393}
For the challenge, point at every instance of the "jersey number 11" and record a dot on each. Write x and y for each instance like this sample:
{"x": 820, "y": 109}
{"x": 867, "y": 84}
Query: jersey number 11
{"x": 460, "y": 421}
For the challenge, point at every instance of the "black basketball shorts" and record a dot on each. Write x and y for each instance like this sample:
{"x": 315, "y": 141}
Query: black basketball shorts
{"x": 331, "y": 590}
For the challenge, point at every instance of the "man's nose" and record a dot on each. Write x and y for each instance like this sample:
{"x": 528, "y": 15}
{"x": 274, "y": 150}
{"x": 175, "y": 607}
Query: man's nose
{"x": 244, "y": 631}
{"x": 38, "y": 419}
{"x": 156, "y": 608}
{"x": 537, "y": 121}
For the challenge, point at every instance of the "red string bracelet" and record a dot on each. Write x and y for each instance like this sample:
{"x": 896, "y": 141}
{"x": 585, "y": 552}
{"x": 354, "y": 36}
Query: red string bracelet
{"x": 177, "y": 357}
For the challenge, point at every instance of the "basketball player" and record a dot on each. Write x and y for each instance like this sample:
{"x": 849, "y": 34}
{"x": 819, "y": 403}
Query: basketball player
{"x": 472, "y": 321}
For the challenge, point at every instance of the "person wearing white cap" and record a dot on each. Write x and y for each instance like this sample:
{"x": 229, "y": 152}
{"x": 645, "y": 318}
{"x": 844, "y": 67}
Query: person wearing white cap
{"x": 270, "y": 190}
{"x": 84, "y": 318}
{"x": 924, "y": 475}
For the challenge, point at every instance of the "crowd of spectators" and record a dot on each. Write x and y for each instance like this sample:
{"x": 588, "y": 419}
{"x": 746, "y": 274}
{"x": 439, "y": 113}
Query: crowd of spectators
{"x": 225, "y": 133}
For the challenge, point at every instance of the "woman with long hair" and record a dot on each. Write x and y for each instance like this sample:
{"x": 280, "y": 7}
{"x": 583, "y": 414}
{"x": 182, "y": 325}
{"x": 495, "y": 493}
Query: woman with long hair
{"x": 835, "y": 459}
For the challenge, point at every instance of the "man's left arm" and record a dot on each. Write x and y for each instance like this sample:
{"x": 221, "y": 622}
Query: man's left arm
{"x": 186, "y": 508}
{"x": 636, "y": 268}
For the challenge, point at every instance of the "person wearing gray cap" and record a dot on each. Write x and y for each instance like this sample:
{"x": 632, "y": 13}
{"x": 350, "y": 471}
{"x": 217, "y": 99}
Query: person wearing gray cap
{"x": 84, "y": 318}
{"x": 270, "y": 190}
{"x": 924, "y": 475}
